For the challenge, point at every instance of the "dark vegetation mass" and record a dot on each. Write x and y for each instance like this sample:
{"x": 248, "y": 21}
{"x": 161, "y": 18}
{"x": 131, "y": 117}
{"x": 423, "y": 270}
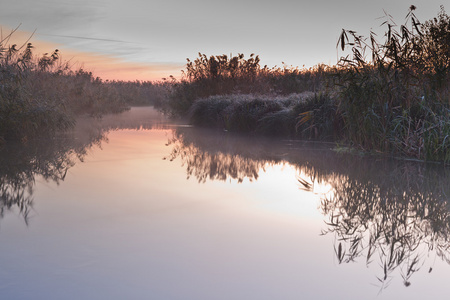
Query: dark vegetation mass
{"x": 41, "y": 95}
{"x": 390, "y": 94}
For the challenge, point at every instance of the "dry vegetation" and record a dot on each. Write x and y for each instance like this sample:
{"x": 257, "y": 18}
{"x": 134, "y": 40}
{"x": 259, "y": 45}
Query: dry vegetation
{"x": 42, "y": 95}
{"x": 389, "y": 96}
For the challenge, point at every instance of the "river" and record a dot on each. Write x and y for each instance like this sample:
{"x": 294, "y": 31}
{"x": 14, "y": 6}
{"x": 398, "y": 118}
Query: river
{"x": 136, "y": 206}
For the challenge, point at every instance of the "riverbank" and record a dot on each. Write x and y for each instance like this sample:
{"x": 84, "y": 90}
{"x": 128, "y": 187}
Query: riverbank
{"x": 396, "y": 102}
{"x": 420, "y": 132}
{"x": 40, "y": 96}
{"x": 390, "y": 97}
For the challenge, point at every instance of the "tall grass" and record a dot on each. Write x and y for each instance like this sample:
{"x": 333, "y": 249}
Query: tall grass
{"x": 42, "y": 95}
{"x": 391, "y": 94}
{"x": 228, "y": 75}
{"x": 394, "y": 95}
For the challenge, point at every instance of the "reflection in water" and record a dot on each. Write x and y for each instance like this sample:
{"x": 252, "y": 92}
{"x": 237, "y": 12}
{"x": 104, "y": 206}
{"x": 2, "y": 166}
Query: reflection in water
{"x": 395, "y": 216}
{"x": 51, "y": 159}
{"x": 392, "y": 213}
{"x": 214, "y": 161}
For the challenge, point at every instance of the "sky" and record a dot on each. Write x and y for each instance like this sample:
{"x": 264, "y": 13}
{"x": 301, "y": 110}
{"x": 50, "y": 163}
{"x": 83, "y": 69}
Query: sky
{"x": 150, "y": 39}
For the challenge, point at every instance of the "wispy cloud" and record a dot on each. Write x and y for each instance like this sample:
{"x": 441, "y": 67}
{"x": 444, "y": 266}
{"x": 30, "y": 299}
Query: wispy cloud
{"x": 85, "y": 38}
{"x": 296, "y": 32}
{"x": 106, "y": 66}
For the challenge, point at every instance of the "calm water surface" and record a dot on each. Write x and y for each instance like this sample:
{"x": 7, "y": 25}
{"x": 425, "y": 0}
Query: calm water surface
{"x": 137, "y": 207}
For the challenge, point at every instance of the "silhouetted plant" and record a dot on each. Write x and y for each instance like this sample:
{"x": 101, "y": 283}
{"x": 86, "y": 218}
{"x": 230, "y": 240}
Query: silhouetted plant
{"x": 393, "y": 90}
{"x": 390, "y": 96}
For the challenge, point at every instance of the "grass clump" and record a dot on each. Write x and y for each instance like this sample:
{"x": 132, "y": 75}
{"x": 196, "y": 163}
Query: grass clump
{"x": 267, "y": 115}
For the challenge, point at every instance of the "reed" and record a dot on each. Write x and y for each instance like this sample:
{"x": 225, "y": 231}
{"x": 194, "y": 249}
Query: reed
{"x": 387, "y": 96}
{"x": 42, "y": 95}
{"x": 228, "y": 75}
{"x": 397, "y": 100}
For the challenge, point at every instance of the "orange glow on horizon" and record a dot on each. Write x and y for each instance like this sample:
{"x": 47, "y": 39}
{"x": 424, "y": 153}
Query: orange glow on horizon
{"x": 107, "y": 67}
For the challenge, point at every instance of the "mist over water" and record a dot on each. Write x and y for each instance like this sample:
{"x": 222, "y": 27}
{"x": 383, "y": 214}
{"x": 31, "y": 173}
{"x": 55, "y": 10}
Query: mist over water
{"x": 136, "y": 206}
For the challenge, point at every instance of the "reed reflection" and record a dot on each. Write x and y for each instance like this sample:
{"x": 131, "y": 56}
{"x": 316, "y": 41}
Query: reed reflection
{"x": 218, "y": 158}
{"x": 396, "y": 217}
{"x": 395, "y": 214}
{"x": 50, "y": 159}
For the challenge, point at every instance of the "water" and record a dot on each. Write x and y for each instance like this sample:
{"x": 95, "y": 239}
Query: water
{"x": 138, "y": 207}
